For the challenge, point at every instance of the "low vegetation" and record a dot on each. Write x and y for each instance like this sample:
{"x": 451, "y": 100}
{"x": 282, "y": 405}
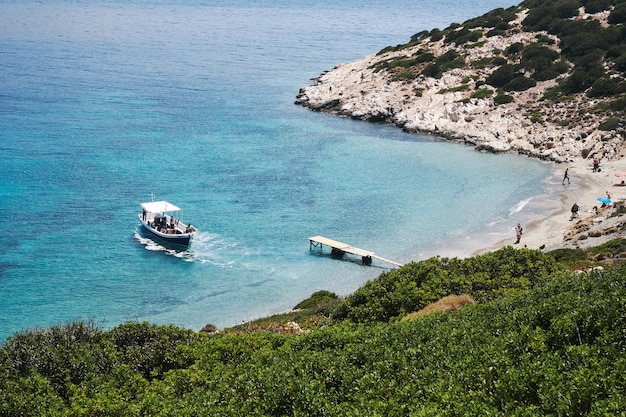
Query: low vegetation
{"x": 579, "y": 45}
{"x": 518, "y": 333}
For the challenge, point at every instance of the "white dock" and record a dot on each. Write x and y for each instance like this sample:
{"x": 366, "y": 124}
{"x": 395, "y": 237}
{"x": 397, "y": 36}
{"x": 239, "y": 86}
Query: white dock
{"x": 339, "y": 248}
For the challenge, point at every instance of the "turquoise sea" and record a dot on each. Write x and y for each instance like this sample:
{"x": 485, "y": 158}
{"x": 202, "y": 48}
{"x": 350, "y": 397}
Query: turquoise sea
{"x": 103, "y": 103}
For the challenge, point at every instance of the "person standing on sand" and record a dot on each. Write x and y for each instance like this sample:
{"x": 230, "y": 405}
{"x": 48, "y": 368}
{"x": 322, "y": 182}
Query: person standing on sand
{"x": 575, "y": 209}
{"x": 518, "y": 232}
{"x": 566, "y": 176}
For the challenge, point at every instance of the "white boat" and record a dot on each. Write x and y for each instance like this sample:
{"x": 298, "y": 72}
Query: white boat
{"x": 164, "y": 220}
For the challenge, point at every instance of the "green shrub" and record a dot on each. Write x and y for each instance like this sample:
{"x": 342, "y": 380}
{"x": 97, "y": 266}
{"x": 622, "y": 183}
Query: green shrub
{"x": 482, "y": 93}
{"x": 569, "y": 257}
{"x": 317, "y": 299}
{"x": 519, "y": 84}
{"x": 436, "y": 35}
{"x": 498, "y": 60}
{"x": 545, "y": 39}
{"x": 474, "y": 45}
{"x": 502, "y": 76}
{"x": 419, "y": 36}
{"x": 514, "y": 48}
{"x": 463, "y": 35}
{"x": 535, "y": 52}
{"x": 399, "y": 292}
{"x": 443, "y": 63}
{"x": 577, "y": 82}
{"x": 553, "y": 93}
{"x": 605, "y": 87}
{"x": 454, "y": 89}
{"x": 595, "y": 6}
{"x": 618, "y": 14}
{"x": 610, "y": 124}
{"x": 481, "y": 63}
{"x": 618, "y": 104}
{"x": 503, "y": 99}
{"x": 550, "y": 344}
{"x": 424, "y": 56}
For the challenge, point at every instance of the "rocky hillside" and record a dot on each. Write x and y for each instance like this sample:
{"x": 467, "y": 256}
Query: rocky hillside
{"x": 544, "y": 79}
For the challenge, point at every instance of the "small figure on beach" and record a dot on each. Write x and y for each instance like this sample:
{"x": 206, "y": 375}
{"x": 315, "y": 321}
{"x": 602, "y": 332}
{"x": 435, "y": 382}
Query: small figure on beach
{"x": 575, "y": 209}
{"x": 596, "y": 165}
{"x": 595, "y": 209}
{"x": 608, "y": 195}
{"x": 566, "y": 176}
{"x": 518, "y": 232}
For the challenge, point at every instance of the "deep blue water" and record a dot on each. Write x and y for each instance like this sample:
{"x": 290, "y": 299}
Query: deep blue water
{"x": 104, "y": 102}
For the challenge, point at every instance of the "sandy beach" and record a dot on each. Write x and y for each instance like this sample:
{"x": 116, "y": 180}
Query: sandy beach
{"x": 558, "y": 229}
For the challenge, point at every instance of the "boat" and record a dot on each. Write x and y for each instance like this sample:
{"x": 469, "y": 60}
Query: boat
{"x": 164, "y": 220}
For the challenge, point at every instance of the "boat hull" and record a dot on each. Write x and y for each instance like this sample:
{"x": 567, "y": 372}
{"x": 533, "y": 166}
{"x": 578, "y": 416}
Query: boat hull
{"x": 180, "y": 241}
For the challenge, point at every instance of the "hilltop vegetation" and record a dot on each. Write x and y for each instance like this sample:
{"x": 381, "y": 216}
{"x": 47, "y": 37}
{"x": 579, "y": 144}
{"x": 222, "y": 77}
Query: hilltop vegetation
{"x": 546, "y": 78}
{"x": 541, "y": 340}
{"x": 582, "y": 43}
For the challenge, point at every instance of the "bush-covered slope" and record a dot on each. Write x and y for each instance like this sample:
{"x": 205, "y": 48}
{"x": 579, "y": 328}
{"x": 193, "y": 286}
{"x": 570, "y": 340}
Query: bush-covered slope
{"x": 486, "y": 277}
{"x": 555, "y": 349}
{"x": 580, "y": 42}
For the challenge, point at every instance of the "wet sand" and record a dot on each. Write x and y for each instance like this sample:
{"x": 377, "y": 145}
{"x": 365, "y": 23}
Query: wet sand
{"x": 546, "y": 219}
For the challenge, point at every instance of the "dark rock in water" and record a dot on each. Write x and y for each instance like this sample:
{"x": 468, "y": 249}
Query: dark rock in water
{"x": 210, "y": 329}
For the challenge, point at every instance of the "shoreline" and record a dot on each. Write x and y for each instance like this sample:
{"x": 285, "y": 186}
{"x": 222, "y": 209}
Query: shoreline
{"x": 546, "y": 217}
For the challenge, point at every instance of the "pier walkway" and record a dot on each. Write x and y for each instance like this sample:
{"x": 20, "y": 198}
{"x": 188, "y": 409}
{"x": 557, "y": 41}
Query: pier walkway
{"x": 339, "y": 249}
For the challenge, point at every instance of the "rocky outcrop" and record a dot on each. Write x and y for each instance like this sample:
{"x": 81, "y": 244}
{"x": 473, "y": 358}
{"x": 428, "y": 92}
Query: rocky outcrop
{"x": 450, "y": 107}
{"x": 607, "y": 225}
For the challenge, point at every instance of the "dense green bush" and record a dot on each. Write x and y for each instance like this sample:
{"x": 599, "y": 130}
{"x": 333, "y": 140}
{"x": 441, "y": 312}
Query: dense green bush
{"x": 481, "y": 93}
{"x": 436, "y": 35}
{"x": 595, "y": 6}
{"x": 497, "y": 18}
{"x": 582, "y": 38}
{"x": 463, "y": 35}
{"x": 612, "y": 123}
{"x": 557, "y": 349}
{"x": 396, "y": 293}
{"x": 317, "y": 299}
{"x": 605, "y": 87}
{"x": 618, "y": 105}
{"x": 443, "y": 63}
{"x": 503, "y": 75}
{"x": 618, "y": 14}
{"x": 503, "y": 99}
{"x": 514, "y": 48}
{"x": 577, "y": 82}
{"x": 540, "y": 61}
{"x": 519, "y": 84}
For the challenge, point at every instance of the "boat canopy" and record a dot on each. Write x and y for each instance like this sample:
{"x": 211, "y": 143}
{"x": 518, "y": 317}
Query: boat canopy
{"x": 159, "y": 207}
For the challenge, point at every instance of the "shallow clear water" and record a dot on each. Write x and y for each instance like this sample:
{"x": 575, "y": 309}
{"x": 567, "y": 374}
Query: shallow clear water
{"x": 104, "y": 103}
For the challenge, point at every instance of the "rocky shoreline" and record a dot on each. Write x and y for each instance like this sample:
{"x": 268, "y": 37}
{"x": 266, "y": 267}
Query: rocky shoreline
{"x": 569, "y": 132}
{"x": 555, "y": 131}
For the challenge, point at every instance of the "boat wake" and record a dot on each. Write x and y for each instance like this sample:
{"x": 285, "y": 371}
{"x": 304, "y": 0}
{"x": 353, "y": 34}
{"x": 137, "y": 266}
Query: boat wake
{"x": 155, "y": 246}
{"x": 209, "y": 248}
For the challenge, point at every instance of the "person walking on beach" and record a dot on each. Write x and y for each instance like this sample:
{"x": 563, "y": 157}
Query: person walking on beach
{"x": 518, "y": 232}
{"x": 566, "y": 176}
